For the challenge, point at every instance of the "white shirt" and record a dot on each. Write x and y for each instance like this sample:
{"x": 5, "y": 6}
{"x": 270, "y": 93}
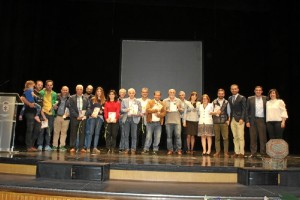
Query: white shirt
{"x": 275, "y": 110}
{"x": 259, "y": 107}
{"x": 205, "y": 116}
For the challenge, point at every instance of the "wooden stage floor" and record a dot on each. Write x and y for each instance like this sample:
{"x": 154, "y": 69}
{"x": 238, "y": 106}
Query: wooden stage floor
{"x": 144, "y": 176}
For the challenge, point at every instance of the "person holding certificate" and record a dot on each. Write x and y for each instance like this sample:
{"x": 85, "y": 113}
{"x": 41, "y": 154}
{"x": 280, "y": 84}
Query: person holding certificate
{"x": 112, "y": 109}
{"x": 155, "y": 112}
{"x": 221, "y": 121}
{"x": 96, "y": 119}
{"x": 131, "y": 109}
{"x": 79, "y": 108}
{"x": 173, "y": 122}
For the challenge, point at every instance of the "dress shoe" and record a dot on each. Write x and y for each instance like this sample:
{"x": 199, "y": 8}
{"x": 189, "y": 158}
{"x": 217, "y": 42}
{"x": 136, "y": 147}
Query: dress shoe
{"x": 226, "y": 155}
{"x": 241, "y": 155}
{"x": 32, "y": 149}
{"x": 145, "y": 152}
{"x": 132, "y": 152}
{"x": 217, "y": 154}
{"x": 170, "y": 152}
{"x": 235, "y": 155}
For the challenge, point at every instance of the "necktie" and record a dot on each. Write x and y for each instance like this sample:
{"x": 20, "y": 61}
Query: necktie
{"x": 233, "y": 99}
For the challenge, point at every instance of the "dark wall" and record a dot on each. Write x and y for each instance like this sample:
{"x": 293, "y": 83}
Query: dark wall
{"x": 75, "y": 41}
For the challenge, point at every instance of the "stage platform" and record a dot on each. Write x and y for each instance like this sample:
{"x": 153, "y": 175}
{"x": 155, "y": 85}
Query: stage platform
{"x": 144, "y": 176}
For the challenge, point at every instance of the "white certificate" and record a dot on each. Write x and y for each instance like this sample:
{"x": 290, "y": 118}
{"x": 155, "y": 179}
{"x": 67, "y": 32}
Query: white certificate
{"x": 44, "y": 124}
{"x": 111, "y": 116}
{"x": 133, "y": 109}
{"x": 173, "y": 107}
{"x": 216, "y": 109}
{"x": 82, "y": 113}
{"x": 95, "y": 112}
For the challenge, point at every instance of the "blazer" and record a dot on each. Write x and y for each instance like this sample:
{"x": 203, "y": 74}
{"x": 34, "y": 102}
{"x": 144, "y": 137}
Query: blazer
{"x": 238, "y": 108}
{"x": 72, "y": 105}
{"x": 251, "y": 108}
{"x": 125, "y": 106}
{"x": 149, "y": 111}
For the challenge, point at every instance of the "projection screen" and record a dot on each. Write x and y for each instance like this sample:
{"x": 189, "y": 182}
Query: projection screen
{"x": 162, "y": 65}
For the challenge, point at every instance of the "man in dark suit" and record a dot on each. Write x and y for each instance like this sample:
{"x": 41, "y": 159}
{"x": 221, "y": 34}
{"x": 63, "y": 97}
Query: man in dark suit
{"x": 256, "y": 121}
{"x": 237, "y": 104}
{"x": 79, "y": 108}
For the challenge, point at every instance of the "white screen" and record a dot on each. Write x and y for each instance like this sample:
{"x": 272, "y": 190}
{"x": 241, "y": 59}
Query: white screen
{"x": 162, "y": 65}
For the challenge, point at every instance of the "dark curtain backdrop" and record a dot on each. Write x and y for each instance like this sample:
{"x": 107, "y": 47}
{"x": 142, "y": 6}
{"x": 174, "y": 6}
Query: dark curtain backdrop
{"x": 78, "y": 41}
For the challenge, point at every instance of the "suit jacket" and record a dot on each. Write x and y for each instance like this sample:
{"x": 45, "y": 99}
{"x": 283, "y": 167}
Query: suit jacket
{"x": 251, "y": 108}
{"x": 125, "y": 106}
{"x": 149, "y": 111}
{"x": 72, "y": 105}
{"x": 238, "y": 108}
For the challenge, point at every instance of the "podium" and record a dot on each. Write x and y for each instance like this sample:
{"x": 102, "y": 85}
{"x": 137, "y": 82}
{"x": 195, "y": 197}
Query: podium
{"x": 8, "y": 114}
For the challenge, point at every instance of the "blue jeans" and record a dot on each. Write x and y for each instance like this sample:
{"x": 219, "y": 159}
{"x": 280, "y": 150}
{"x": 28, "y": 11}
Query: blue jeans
{"x": 87, "y": 132}
{"x": 153, "y": 127}
{"x": 130, "y": 127}
{"x": 176, "y": 128}
{"x": 48, "y": 131}
{"x": 95, "y": 128}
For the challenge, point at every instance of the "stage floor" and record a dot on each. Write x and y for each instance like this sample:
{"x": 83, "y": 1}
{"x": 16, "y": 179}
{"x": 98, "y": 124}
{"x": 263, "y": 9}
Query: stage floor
{"x": 121, "y": 160}
{"x": 127, "y": 189}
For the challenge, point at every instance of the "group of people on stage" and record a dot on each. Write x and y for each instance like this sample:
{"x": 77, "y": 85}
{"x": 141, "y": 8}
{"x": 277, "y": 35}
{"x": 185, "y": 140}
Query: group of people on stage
{"x": 184, "y": 119}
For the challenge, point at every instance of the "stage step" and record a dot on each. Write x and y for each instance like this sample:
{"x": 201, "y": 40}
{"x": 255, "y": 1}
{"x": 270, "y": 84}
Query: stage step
{"x": 260, "y": 176}
{"x": 73, "y": 170}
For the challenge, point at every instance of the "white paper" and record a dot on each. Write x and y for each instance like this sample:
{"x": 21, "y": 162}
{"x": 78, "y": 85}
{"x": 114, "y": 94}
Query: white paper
{"x": 112, "y": 116}
{"x": 173, "y": 107}
{"x": 133, "y": 109}
{"x": 82, "y": 113}
{"x": 44, "y": 124}
{"x": 95, "y": 112}
{"x": 216, "y": 109}
{"x": 67, "y": 113}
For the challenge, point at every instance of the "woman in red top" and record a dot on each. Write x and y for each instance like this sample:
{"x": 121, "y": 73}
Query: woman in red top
{"x": 111, "y": 115}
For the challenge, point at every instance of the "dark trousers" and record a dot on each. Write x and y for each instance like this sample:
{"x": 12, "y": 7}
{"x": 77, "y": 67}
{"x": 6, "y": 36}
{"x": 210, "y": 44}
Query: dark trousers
{"x": 77, "y": 133}
{"x": 111, "y": 131}
{"x": 183, "y": 138}
{"x": 274, "y": 129}
{"x": 258, "y": 129}
{"x": 33, "y": 129}
{"x": 141, "y": 134}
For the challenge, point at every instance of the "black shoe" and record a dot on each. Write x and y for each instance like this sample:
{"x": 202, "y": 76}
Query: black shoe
{"x": 145, "y": 152}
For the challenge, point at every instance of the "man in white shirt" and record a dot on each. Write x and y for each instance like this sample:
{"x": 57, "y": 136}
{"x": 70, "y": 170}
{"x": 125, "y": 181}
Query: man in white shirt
{"x": 256, "y": 121}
